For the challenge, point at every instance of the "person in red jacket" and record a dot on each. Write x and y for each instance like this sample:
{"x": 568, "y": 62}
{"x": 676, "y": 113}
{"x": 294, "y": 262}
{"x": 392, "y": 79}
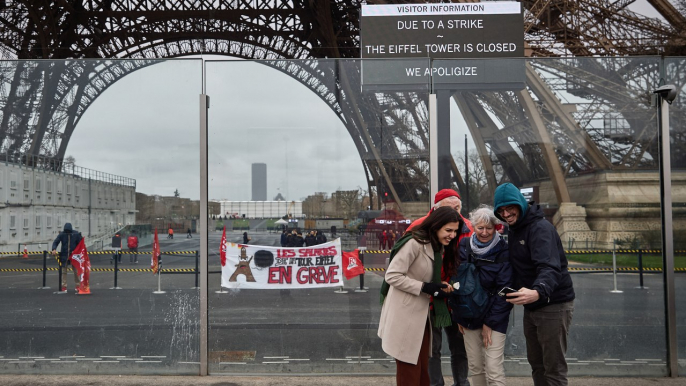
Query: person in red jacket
{"x": 132, "y": 243}
{"x": 458, "y": 354}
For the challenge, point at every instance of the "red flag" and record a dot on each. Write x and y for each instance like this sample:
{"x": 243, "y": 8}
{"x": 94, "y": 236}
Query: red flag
{"x": 155, "y": 261}
{"x": 82, "y": 264}
{"x": 222, "y": 248}
{"x": 352, "y": 266}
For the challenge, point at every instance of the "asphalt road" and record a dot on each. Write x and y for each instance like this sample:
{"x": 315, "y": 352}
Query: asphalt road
{"x": 135, "y": 331}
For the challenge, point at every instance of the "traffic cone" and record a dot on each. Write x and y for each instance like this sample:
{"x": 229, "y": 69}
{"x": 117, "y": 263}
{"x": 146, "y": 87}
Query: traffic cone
{"x": 26, "y": 253}
{"x": 84, "y": 290}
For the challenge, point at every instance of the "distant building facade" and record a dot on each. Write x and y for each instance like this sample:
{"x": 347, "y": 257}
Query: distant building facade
{"x": 36, "y": 202}
{"x": 261, "y": 209}
{"x": 162, "y": 212}
{"x": 259, "y": 182}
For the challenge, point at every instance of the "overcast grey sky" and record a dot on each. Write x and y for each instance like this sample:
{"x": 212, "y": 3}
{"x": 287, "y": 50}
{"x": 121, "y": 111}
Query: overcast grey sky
{"x": 145, "y": 126}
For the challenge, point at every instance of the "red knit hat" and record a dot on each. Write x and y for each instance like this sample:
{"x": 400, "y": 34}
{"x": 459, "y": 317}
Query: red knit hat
{"x": 445, "y": 193}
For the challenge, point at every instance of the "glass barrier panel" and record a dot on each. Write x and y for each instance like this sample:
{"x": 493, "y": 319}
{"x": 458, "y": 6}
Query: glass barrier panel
{"x": 675, "y": 74}
{"x": 308, "y": 159}
{"x": 104, "y": 151}
{"x": 578, "y": 136}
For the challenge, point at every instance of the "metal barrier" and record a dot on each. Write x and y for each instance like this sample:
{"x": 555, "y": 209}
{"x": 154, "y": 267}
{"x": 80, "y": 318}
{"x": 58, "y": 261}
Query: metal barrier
{"x": 117, "y": 257}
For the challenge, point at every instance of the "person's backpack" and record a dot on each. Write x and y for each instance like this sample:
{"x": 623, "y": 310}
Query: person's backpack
{"x": 470, "y": 300}
{"x": 132, "y": 241}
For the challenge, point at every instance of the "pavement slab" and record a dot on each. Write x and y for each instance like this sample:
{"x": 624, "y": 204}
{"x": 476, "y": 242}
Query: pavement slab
{"x": 285, "y": 380}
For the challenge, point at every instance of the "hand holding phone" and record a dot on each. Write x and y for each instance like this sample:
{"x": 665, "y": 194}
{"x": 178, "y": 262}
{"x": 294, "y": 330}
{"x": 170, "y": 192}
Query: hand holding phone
{"x": 506, "y": 290}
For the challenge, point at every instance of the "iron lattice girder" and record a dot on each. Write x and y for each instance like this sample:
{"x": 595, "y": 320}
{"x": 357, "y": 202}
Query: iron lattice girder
{"x": 303, "y": 29}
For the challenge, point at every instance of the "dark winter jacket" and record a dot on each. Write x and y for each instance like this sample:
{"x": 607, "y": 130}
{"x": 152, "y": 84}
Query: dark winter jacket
{"x": 320, "y": 238}
{"x": 284, "y": 239}
{"x": 310, "y": 240}
{"x": 69, "y": 240}
{"x": 493, "y": 276}
{"x": 536, "y": 252}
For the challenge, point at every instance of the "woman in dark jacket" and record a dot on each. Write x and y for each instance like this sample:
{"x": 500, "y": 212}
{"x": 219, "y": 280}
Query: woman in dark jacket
{"x": 484, "y": 337}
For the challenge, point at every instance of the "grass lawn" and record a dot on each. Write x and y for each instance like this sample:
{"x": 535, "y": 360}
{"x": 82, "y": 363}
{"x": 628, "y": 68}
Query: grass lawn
{"x": 625, "y": 260}
{"x": 240, "y": 224}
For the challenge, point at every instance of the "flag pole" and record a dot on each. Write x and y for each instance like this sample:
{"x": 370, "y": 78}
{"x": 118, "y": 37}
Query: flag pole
{"x": 159, "y": 279}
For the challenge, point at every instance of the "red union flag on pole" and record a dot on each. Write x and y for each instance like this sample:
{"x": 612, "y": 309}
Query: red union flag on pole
{"x": 222, "y": 248}
{"x": 352, "y": 266}
{"x": 155, "y": 261}
{"x": 82, "y": 264}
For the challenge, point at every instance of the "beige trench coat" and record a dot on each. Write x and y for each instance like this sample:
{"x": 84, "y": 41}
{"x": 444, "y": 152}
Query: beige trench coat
{"x": 406, "y": 308}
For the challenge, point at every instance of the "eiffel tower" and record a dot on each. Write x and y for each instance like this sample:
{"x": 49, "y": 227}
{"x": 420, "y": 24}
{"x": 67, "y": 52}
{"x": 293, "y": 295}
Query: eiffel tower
{"x": 41, "y": 105}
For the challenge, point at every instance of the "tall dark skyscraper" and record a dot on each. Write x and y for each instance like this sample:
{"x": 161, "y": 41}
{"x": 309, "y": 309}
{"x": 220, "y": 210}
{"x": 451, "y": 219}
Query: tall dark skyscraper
{"x": 259, "y": 182}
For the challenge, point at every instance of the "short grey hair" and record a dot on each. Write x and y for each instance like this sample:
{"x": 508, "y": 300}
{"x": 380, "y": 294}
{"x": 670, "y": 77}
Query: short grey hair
{"x": 483, "y": 214}
{"x": 447, "y": 200}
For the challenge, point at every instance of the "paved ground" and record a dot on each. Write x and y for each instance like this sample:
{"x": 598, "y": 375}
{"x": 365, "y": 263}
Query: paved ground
{"x": 286, "y": 380}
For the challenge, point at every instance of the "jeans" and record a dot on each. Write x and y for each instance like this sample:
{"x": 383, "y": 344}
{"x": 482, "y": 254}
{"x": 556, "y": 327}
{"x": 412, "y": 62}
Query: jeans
{"x": 458, "y": 357}
{"x": 546, "y": 331}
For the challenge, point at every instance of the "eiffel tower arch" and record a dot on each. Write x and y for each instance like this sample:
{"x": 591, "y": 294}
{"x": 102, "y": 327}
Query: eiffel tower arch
{"x": 535, "y": 136}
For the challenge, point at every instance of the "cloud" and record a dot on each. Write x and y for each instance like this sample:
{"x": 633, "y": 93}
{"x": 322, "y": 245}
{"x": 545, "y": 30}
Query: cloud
{"x": 145, "y": 126}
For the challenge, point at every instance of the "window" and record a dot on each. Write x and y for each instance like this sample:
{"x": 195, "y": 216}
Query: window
{"x": 60, "y": 183}
{"x": 68, "y": 188}
{"x": 37, "y": 184}
{"x": 26, "y": 222}
{"x": 48, "y": 185}
{"x": 76, "y": 190}
{"x": 48, "y": 221}
{"x": 13, "y": 222}
{"x": 13, "y": 180}
{"x": 38, "y": 221}
{"x": 26, "y": 184}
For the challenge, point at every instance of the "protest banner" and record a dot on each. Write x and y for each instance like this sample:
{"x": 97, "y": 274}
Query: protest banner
{"x": 262, "y": 267}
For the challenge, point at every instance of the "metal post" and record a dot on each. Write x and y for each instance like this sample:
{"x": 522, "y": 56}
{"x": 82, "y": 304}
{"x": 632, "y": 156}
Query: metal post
{"x": 159, "y": 278}
{"x": 614, "y": 268}
{"x": 204, "y": 106}
{"x": 433, "y": 144}
{"x": 466, "y": 175}
{"x": 45, "y": 270}
{"x": 640, "y": 270}
{"x": 116, "y": 271}
{"x": 197, "y": 261}
{"x": 361, "y": 276}
{"x": 665, "y": 96}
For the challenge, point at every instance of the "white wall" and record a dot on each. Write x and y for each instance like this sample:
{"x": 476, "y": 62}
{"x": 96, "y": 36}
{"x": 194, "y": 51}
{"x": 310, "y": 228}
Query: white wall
{"x": 35, "y": 204}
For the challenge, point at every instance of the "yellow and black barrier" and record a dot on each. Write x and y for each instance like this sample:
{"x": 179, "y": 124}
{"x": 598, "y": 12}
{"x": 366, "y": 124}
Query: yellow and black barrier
{"x": 577, "y": 269}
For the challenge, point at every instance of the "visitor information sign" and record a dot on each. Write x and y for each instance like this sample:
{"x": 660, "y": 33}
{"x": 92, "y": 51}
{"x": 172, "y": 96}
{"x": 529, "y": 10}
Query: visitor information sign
{"x": 468, "y": 30}
{"x": 431, "y": 37}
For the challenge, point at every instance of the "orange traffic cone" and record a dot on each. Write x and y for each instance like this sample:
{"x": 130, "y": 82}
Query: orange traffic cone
{"x": 26, "y": 253}
{"x": 84, "y": 290}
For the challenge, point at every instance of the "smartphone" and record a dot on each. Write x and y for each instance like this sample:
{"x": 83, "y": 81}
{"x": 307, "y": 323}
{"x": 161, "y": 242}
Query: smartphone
{"x": 506, "y": 290}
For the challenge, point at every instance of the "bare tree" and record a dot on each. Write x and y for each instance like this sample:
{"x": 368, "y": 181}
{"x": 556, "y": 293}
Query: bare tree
{"x": 478, "y": 183}
{"x": 349, "y": 201}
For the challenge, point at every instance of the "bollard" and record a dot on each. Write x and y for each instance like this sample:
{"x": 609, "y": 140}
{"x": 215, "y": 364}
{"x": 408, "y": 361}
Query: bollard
{"x": 116, "y": 271}
{"x": 640, "y": 270}
{"x": 45, "y": 270}
{"x": 361, "y": 276}
{"x": 197, "y": 261}
{"x": 614, "y": 272}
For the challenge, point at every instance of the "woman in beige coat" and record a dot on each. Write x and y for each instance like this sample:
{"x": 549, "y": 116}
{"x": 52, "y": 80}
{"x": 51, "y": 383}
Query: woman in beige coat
{"x": 412, "y": 277}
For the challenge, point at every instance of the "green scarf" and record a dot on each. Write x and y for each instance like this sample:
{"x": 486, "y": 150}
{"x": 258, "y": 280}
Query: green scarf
{"x": 441, "y": 315}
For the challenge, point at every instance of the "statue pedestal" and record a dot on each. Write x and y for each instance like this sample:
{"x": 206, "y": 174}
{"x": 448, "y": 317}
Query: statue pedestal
{"x": 570, "y": 222}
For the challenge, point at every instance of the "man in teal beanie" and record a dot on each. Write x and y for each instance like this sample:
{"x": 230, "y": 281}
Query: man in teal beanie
{"x": 545, "y": 286}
